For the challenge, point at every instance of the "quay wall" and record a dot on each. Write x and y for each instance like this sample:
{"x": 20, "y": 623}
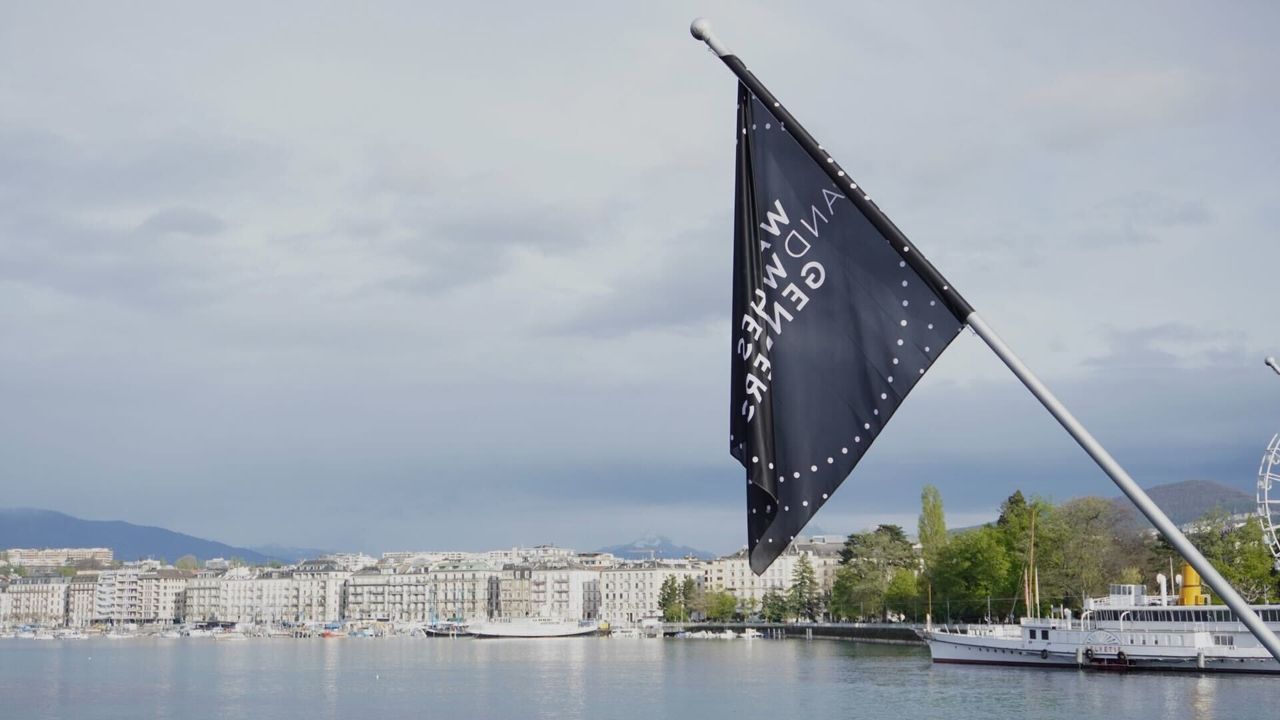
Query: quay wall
{"x": 883, "y": 633}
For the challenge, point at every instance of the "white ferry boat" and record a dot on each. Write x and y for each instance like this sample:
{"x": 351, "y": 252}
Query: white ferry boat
{"x": 1126, "y": 630}
{"x": 533, "y": 627}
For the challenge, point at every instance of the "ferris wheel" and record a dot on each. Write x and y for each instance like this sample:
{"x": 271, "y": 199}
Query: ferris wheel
{"x": 1269, "y": 496}
{"x": 1269, "y": 488}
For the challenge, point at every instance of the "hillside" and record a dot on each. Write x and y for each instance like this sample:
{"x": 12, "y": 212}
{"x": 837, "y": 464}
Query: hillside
{"x": 26, "y": 527}
{"x": 1188, "y": 500}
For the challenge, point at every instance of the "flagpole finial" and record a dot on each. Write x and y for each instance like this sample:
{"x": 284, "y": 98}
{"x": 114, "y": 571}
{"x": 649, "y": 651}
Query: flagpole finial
{"x": 700, "y": 28}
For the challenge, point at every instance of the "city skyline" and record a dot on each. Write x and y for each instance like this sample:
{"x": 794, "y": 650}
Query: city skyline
{"x": 327, "y": 275}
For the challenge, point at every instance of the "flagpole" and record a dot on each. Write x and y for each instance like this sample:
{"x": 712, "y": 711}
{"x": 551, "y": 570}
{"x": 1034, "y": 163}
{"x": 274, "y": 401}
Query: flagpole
{"x": 701, "y": 30}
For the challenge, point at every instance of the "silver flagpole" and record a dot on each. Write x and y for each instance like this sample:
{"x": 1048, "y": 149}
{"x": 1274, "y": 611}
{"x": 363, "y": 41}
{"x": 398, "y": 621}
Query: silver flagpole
{"x": 701, "y": 29}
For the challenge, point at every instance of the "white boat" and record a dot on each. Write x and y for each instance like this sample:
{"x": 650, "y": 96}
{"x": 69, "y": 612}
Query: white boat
{"x": 751, "y": 634}
{"x": 447, "y": 628}
{"x": 534, "y": 627}
{"x": 1126, "y": 630}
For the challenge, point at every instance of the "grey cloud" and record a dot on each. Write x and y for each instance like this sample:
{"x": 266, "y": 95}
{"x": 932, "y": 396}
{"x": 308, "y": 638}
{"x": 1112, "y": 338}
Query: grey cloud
{"x": 1167, "y": 346}
{"x": 458, "y": 249}
{"x": 687, "y": 288}
{"x": 45, "y": 169}
{"x": 102, "y": 261}
{"x": 1147, "y": 217}
{"x": 181, "y": 221}
{"x": 1084, "y": 107}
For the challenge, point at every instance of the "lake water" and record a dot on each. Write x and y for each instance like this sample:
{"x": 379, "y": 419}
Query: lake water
{"x": 627, "y": 679}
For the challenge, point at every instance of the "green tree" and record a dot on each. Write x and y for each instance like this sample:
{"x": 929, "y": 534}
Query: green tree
{"x": 802, "y": 597}
{"x": 972, "y": 567}
{"x": 187, "y": 562}
{"x": 1083, "y": 546}
{"x": 1239, "y": 553}
{"x": 932, "y": 526}
{"x": 848, "y": 595}
{"x": 670, "y": 600}
{"x": 869, "y": 561}
{"x": 690, "y": 597}
{"x": 719, "y": 606}
{"x": 903, "y": 594}
{"x": 774, "y": 607}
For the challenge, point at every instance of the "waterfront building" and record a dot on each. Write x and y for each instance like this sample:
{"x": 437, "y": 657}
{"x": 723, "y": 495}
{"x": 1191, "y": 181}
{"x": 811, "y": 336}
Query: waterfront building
{"x": 514, "y": 592}
{"x": 117, "y": 597}
{"x": 629, "y": 594}
{"x": 446, "y": 591}
{"x": 56, "y": 557}
{"x": 204, "y": 598}
{"x": 81, "y": 591}
{"x": 5, "y": 614}
{"x": 40, "y": 600}
{"x": 568, "y": 593}
{"x": 161, "y": 595}
{"x": 265, "y": 597}
{"x": 318, "y": 591}
{"x": 733, "y": 574}
{"x": 465, "y": 590}
{"x": 385, "y": 595}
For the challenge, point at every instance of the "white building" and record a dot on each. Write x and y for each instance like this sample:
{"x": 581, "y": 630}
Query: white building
{"x": 351, "y": 561}
{"x": 256, "y": 598}
{"x": 162, "y": 593}
{"x": 733, "y": 574}
{"x": 81, "y": 592}
{"x": 53, "y": 557}
{"x": 38, "y": 601}
{"x": 139, "y": 593}
{"x": 569, "y": 593}
{"x": 629, "y": 594}
{"x": 446, "y": 591}
{"x": 203, "y": 601}
{"x": 118, "y": 596}
{"x": 318, "y": 595}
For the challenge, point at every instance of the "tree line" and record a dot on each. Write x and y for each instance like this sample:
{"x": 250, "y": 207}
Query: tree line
{"x": 1080, "y": 547}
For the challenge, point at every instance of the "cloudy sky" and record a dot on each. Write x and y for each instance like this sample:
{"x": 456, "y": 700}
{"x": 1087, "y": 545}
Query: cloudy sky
{"x": 420, "y": 275}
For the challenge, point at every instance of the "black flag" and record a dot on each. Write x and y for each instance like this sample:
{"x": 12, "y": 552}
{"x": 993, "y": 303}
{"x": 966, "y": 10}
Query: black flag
{"x": 834, "y": 322}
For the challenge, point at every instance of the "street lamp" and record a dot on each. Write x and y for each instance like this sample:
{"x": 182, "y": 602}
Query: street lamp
{"x": 1271, "y": 363}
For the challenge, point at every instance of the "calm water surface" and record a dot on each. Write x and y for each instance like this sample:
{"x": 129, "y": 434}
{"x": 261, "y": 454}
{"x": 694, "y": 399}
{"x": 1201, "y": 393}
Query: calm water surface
{"x": 628, "y": 679}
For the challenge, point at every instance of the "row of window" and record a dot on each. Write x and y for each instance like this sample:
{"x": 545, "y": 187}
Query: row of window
{"x": 1271, "y": 615}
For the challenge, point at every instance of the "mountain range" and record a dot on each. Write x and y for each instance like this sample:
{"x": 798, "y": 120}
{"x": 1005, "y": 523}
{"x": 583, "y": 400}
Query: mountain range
{"x": 655, "y": 546}
{"x": 28, "y": 527}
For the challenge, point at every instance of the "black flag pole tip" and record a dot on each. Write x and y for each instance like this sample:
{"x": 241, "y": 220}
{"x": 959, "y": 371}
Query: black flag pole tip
{"x": 700, "y": 28}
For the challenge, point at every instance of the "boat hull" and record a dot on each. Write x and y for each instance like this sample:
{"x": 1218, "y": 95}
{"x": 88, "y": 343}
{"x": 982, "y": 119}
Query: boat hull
{"x": 958, "y": 649}
{"x": 532, "y": 630}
